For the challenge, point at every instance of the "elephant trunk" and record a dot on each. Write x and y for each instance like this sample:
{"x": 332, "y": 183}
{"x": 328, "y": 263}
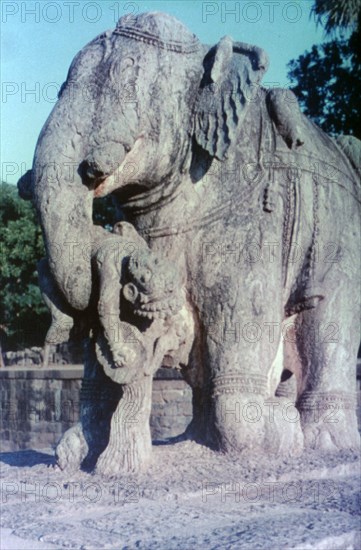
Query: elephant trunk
{"x": 66, "y": 218}
{"x": 64, "y": 205}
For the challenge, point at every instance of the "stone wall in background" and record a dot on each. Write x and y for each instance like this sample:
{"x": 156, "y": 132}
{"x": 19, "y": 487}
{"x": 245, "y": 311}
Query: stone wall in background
{"x": 69, "y": 353}
{"x": 39, "y": 405}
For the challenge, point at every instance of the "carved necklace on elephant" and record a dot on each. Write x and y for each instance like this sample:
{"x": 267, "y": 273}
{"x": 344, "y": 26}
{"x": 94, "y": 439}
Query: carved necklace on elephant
{"x": 197, "y": 223}
{"x": 138, "y": 204}
{"x": 230, "y": 206}
{"x": 213, "y": 217}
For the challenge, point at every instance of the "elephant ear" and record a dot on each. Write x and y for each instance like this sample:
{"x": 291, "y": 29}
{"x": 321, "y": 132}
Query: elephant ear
{"x": 232, "y": 73}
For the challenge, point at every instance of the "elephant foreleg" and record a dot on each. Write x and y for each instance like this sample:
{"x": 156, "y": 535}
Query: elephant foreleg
{"x": 244, "y": 415}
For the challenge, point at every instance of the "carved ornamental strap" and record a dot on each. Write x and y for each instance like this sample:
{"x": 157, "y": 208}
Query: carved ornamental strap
{"x": 240, "y": 383}
{"x": 153, "y": 40}
{"x": 327, "y": 400}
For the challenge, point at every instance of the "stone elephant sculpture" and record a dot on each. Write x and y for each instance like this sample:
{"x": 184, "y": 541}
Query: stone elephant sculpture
{"x": 254, "y": 204}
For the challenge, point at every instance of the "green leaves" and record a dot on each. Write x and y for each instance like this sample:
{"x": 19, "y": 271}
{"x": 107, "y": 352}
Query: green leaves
{"x": 24, "y": 318}
{"x": 336, "y": 15}
{"x": 23, "y": 314}
{"x": 327, "y": 82}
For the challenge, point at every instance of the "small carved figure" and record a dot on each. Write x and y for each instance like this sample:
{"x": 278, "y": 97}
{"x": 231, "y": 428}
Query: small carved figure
{"x": 109, "y": 250}
{"x": 129, "y": 275}
{"x": 139, "y": 288}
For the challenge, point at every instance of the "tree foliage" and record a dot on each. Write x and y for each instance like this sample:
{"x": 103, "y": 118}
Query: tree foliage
{"x": 327, "y": 81}
{"x": 23, "y": 316}
{"x": 337, "y": 15}
{"x": 104, "y": 212}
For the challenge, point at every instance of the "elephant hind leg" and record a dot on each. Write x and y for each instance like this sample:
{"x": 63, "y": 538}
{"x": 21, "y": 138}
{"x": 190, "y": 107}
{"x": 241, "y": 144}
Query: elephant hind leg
{"x": 327, "y": 341}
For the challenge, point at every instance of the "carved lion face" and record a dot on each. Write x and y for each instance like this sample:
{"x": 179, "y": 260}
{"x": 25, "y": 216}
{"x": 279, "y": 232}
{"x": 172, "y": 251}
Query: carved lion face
{"x": 154, "y": 286}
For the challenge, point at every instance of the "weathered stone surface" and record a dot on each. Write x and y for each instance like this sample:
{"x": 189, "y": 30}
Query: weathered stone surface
{"x": 239, "y": 205}
{"x": 21, "y": 415}
{"x": 214, "y": 501}
{"x": 73, "y": 449}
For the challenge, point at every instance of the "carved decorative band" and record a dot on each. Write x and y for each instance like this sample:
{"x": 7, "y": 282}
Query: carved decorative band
{"x": 324, "y": 400}
{"x": 286, "y": 391}
{"x": 239, "y": 383}
{"x": 148, "y": 38}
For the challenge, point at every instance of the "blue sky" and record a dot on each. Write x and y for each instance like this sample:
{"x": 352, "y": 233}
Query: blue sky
{"x": 40, "y": 38}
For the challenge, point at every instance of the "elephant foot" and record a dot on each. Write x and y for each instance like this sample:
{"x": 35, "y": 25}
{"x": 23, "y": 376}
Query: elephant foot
{"x": 283, "y": 434}
{"x": 253, "y": 424}
{"x": 239, "y": 422}
{"x": 71, "y": 449}
{"x": 329, "y": 421}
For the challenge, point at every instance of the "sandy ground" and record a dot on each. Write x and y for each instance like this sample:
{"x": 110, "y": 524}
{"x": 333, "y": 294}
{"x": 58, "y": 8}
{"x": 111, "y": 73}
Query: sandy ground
{"x": 190, "y": 498}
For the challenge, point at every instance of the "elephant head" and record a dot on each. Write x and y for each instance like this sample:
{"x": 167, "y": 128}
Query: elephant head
{"x": 137, "y": 103}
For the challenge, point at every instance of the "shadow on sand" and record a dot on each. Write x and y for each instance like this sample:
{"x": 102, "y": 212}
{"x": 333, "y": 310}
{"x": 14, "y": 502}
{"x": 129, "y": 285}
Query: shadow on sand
{"x": 27, "y": 458}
